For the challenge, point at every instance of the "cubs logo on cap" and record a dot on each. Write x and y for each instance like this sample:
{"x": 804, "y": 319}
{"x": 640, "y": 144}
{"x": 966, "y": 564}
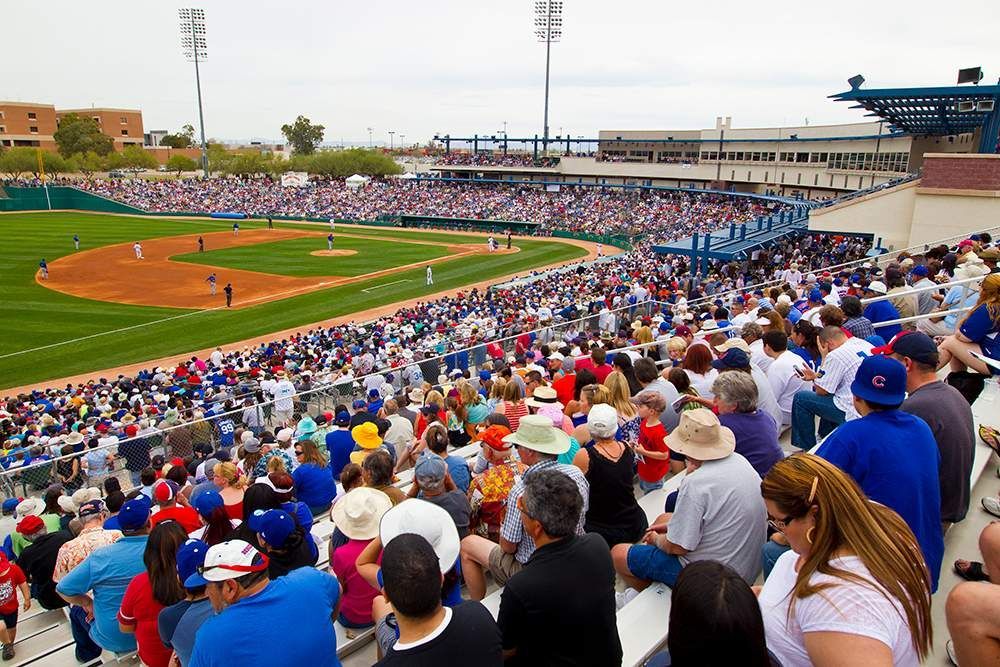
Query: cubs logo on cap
{"x": 880, "y": 379}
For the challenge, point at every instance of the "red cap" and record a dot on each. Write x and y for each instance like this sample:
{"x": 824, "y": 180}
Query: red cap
{"x": 682, "y": 330}
{"x": 493, "y": 437}
{"x": 30, "y": 525}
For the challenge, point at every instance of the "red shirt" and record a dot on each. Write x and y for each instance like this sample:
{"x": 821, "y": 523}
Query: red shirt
{"x": 651, "y": 438}
{"x": 140, "y": 608}
{"x": 186, "y": 516}
{"x": 564, "y": 388}
{"x": 9, "y": 581}
{"x": 602, "y": 372}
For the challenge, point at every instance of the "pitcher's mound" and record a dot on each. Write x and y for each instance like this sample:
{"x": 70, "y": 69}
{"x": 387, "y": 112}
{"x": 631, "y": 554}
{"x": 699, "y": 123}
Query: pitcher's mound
{"x": 333, "y": 253}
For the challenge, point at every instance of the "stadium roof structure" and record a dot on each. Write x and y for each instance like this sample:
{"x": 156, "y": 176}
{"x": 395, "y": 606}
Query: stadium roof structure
{"x": 740, "y": 240}
{"x": 935, "y": 111}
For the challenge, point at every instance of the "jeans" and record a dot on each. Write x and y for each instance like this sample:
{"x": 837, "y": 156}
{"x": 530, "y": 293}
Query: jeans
{"x": 136, "y": 477}
{"x": 647, "y": 487}
{"x": 806, "y": 406}
{"x": 770, "y": 554}
{"x": 86, "y": 649}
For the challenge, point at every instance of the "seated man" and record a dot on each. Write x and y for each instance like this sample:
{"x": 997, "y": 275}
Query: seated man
{"x": 831, "y": 399}
{"x": 892, "y": 455}
{"x": 538, "y": 445}
{"x": 782, "y": 373}
{"x": 429, "y": 633}
{"x": 547, "y": 592}
{"x": 292, "y": 616}
{"x": 719, "y": 513}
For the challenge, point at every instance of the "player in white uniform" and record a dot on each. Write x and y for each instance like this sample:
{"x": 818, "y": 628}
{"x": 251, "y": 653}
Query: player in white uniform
{"x": 430, "y": 276}
{"x": 137, "y": 249}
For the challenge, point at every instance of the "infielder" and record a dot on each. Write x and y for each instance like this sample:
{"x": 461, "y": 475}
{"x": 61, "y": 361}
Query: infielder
{"x": 137, "y": 249}
{"x": 600, "y": 250}
{"x": 228, "y": 289}
{"x": 43, "y": 266}
{"x": 430, "y": 276}
{"x": 236, "y": 229}
{"x": 211, "y": 283}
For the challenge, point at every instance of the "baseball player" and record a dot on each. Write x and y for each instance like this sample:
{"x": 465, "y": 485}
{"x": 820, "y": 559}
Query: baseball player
{"x": 329, "y": 241}
{"x": 332, "y": 225}
{"x": 211, "y": 283}
{"x": 270, "y": 223}
{"x": 137, "y": 249}
{"x": 43, "y": 266}
{"x": 600, "y": 250}
{"x": 236, "y": 229}
{"x": 228, "y": 289}
{"x": 430, "y": 276}
{"x": 76, "y": 241}
{"x": 201, "y": 246}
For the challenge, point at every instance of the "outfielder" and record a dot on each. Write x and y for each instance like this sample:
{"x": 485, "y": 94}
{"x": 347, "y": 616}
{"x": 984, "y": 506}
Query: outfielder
{"x": 430, "y": 276}
{"x": 76, "y": 241}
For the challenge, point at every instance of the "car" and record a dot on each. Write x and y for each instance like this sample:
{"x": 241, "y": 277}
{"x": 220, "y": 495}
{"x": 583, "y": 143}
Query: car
{"x": 162, "y": 168}
{"x": 116, "y": 173}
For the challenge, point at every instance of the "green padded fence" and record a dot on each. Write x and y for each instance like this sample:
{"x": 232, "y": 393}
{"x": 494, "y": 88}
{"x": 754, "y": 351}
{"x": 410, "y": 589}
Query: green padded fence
{"x": 61, "y": 197}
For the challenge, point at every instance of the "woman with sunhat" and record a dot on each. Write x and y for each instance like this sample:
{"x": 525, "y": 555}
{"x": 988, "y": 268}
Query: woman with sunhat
{"x": 366, "y": 437}
{"x": 357, "y": 516}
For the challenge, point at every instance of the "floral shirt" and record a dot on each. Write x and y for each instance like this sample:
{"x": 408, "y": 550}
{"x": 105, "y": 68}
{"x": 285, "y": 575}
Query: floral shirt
{"x": 75, "y": 551}
{"x": 495, "y": 484}
{"x": 260, "y": 470}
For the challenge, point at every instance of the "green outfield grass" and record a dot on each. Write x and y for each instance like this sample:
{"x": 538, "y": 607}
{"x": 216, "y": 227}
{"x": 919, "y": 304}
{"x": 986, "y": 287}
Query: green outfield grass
{"x": 292, "y": 257}
{"x": 33, "y": 316}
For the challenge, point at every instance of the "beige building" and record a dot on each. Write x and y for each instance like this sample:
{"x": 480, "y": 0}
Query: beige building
{"x": 27, "y": 124}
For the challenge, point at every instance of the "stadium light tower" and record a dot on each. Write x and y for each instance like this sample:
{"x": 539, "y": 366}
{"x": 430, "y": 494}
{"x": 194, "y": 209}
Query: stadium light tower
{"x": 548, "y": 29}
{"x": 194, "y": 43}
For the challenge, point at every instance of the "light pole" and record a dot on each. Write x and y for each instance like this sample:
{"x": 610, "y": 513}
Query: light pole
{"x": 548, "y": 29}
{"x": 194, "y": 42}
{"x": 402, "y": 142}
{"x": 391, "y": 133}
{"x": 370, "y": 130}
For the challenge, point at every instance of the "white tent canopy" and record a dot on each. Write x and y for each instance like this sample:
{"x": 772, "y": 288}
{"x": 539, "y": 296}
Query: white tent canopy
{"x": 356, "y": 181}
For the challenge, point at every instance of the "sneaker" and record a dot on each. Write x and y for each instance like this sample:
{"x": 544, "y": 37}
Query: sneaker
{"x": 624, "y": 597}
{"x": 8, "y": 651}
{"x": 950, "y": 647}
{"x": 992, "y": 505}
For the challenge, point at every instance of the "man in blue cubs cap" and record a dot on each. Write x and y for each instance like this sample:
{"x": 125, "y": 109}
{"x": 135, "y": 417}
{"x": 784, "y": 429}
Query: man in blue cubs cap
{"x": 107, "y": 574}
{"x": 283, "y": 540}
{"x": 892, "y": 455}
{"x": 179, "y": 622}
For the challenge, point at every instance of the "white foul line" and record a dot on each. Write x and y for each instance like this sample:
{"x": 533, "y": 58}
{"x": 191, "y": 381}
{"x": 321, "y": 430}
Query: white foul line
{"x": 395, "y": 282}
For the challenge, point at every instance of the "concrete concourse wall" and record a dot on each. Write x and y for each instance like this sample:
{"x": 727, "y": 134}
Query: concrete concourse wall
{"x": 886, "y": 214}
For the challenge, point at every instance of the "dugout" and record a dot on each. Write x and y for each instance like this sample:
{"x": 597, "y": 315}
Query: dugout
{"x": 468, "y": 224}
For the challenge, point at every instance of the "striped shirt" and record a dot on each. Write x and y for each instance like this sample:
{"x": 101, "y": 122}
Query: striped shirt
{"x": 838, "y": 370}
{"x": 512, "y": 529}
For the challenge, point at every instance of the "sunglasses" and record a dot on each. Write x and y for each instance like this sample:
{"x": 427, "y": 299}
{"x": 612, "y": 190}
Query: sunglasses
{"x": 780, "y": 524}
{"x": 298, "y": 452}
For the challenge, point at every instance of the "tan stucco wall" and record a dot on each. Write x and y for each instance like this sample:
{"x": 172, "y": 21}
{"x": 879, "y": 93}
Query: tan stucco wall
{"x": 886, "y": 214}
{"x": 937, "y": 215}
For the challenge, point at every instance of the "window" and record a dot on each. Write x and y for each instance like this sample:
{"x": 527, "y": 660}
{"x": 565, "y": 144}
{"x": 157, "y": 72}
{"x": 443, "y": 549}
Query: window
{"x": 33, "y": 129}
{"x": 32, "y": 115}
{"x": 124, "y": 133}
{"x": 97, "y": 119}
{"x": 1, "y": 115}
{"x": 2, "y": 129}
{"x": 123, "y": 120}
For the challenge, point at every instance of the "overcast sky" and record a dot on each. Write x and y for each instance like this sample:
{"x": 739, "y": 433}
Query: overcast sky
{"x": 464, "y": 67}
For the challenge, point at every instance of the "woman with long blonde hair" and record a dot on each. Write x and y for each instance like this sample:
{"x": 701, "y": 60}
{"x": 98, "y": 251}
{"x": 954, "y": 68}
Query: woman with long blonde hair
{"x": 854, "y": 589}
{"x": 590, "y": 395}
{"x": 976, "y": 334}
{"x": 618, "y": 398}
{"x": 231, "y": 486}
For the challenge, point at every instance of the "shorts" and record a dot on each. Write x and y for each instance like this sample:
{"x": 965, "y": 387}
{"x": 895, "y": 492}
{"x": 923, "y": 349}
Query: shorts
{"x": 503, "y": 566}
{"x": 352, "y": 625}
{"x": 648, "y": 562}
{"x": 386, "y": 632}
{"x": 9, "y": 620}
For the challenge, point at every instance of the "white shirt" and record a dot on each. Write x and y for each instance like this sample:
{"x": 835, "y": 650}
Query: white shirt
{"x": 703, "y": 383}
{"x": 784, "y": 382}
{"x": 838, "y": 370}
{"x": 282, "y": 392}
{"x": 765, "y": 395}
{"x": 757, "y": 356}
{"x": 847, "y": 607}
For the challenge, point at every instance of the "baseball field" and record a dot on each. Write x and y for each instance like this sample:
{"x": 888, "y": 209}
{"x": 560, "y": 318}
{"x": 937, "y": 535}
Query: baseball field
{"x": 102, "y": 307}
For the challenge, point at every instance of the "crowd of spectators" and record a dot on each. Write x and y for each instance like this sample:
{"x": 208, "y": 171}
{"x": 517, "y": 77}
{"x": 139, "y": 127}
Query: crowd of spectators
{"x": 579, "y": 209}
{"x": 491, "y": 159}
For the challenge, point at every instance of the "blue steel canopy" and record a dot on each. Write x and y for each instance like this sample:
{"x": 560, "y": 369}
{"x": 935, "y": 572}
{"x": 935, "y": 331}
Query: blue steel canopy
{"x": 935, "y": 111}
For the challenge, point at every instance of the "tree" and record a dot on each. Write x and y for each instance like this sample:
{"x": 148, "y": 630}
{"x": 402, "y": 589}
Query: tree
{"x": 188, "y": 132}
{"x": 181, "y": 163}
{"x": 77, "y": 134}
{"x": 303, "y": 135}
{"x": 137, "y": 158}
{"x": 56, "y": 164}
{"x": 343, "y": 163}
{"x": 175, "y": 141}
{"x": 19, "y": 160}
{"x": 89, "y": 162}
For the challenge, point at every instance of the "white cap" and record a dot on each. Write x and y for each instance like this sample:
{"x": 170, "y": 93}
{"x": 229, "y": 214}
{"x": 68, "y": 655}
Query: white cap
{"x": 602, "y": 421}
{"x": 877, "y": 286}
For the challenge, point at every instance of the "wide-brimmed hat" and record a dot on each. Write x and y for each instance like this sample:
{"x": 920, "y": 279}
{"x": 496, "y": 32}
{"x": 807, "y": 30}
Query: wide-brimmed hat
{"x": 700, "y": 436}
{"x": 536, "y": 432}
{"x": 74, "y": 438}
{"x": 416, "y": 396}
{"x": 358, "y": 513}
{"x": 366, "y": 435}
{"x": 737, "y": 343}
{"x": 29, "y": 506}
{"x": 431, "y": 522}
{"x": 544, "y": 397}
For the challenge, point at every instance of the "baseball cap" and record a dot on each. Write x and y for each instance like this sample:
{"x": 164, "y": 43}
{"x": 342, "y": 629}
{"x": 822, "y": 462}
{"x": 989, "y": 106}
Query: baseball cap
{"x": 227, "y": 560}
{"x": 30, "y": 525}
{"x": 10, "y": 505}
{"x": 493, "y": 437}
{"x": 881, "y": 380}
{"x": 190, "y": 557}
{"x": 913, "y": 344}
{"x": 90, "y": 508}
{"x": 342, "y": 418}
{"x": 877, "y": 286}
{"x": 206, "y": 502}
{"x": 273, "y": 525}
{"x": 815, "y": 295}
{"x": 251, "y": 446}
{"x": 734, "y": 358}
{"x": 602, "y": 421}
{"x": 920, "y": 270}
{"x": 430, "y": 470}
{"x": 165, "y": 490}
{"x": 682, "y": 330}
{"x": 485, "y": 376}
{"x": 134, "y": 514}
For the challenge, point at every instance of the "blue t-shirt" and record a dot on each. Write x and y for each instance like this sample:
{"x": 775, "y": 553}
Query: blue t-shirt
{"x": 339, "y": 445}
{"x": 226, "y": 431}
{"x": 179, "y": 623}
{"x": 883, "y": 311}
{"x": 459, "y": 470}
{"x": 756, "y": 438}
{"x": 894, "y": 458}
{"x": 314, "y": 485}
{"x": 980, "y": 328}
{"x": 108, "y": 571}
{"x": 291, "y": 621}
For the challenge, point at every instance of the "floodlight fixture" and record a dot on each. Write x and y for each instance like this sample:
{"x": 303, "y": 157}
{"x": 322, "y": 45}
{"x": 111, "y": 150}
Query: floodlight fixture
{"x": 855, "y": 81}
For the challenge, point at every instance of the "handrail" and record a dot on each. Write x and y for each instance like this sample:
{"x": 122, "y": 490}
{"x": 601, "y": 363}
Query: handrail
{"x": 918, "y": 290}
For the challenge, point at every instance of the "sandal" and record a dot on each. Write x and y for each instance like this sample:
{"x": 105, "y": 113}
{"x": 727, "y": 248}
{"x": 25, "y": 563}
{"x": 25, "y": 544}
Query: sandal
{"x": 990, "y": 436}
{"x": 972, "y": 573}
